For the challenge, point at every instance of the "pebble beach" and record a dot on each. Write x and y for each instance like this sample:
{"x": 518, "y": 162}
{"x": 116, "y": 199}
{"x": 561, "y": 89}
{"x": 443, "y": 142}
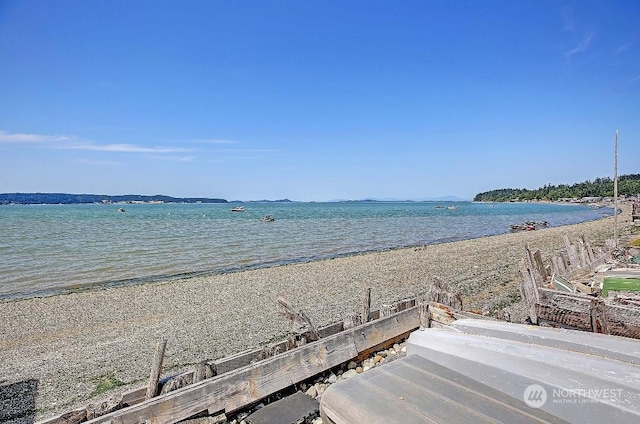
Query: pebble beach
{"x": 68, "y": 344}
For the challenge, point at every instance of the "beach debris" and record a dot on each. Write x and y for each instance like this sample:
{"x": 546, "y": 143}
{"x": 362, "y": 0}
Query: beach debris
{"x": 365, "y": 315}
{"x": 156, "y": 369}
{"x": 202, "y": 371}
{"x": 299, "y": 321}
{"x": 441, "y": 292}
{"x": 529, "y": 226}
{"x": 569, "y": 293}
{"x": 351, "y": 320}
{"x": 235, "y": 384}
{"x": 97, "y": 410}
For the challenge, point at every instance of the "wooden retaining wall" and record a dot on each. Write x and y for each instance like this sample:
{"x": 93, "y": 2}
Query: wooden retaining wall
{"x": 577, "y": 306}
{"x": 248, "y": 377}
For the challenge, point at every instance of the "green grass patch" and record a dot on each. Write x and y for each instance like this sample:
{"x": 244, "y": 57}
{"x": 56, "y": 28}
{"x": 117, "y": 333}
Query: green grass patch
{"x": 635, "y": 243}
{"x": 109, "y": 382}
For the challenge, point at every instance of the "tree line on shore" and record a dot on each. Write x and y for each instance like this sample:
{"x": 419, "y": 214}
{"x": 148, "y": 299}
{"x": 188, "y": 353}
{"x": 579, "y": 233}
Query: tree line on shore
{"x": 628, "y": 185}
{"x": 65, "y": 198}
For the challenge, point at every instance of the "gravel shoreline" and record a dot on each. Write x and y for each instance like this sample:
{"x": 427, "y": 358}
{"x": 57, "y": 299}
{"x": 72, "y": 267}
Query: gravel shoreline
{"x": 68, "y": 344}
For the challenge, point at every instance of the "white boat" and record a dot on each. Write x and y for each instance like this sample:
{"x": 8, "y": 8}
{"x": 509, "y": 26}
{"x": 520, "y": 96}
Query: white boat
{"x": 238, "y": 209}
{"x": 452, "y": 207}
{"x": 268, "y": 218}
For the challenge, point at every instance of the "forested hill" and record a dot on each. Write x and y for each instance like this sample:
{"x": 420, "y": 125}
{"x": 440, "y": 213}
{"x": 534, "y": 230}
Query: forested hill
{"x": 628, "y": 185}
{"x": 64, "y": 198}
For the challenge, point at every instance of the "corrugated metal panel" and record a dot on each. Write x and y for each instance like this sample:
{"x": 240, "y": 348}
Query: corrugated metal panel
{"x": 416, "y": 390}
{"x": 562, "y": 374}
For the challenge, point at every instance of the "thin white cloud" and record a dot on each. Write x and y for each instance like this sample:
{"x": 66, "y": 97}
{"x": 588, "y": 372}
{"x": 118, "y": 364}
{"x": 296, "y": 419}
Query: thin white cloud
{"x": 73, "y": 143}
{"x": 98, "y": 162}
{"x": 174, "y": 158}
{"x": 581, "y": 46}
{"x": 6, "y": 137}
{"x": 124, "y": 148}
{"x": 171, "y": 153}
{"x": 213, "y": 141}
{"x": 625, "y": 47}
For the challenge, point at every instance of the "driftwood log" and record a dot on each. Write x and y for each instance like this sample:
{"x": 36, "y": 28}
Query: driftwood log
{"x": 299, "y": 321}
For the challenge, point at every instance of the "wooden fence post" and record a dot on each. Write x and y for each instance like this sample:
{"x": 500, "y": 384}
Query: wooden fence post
{"x": 156, "y": 369}
{"x": 387, "y": 311}
{"x": 366, "y": 306}
{"x": 423, "y": 314}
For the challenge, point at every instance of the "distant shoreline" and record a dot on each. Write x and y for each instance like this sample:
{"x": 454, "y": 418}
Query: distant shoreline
{"x": 107, "y": 284}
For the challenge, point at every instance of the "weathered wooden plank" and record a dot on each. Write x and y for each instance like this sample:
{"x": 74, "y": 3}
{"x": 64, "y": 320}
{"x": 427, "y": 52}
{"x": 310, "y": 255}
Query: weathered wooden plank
{"x": 623, "y": 320}
{"x": 574, "y": 259}
{"x": 584, "y": 260}
{"x": 249, "y": 356}
{"x": 583, "y": 288}
{"x": 241, "y": 387}
{"x": 564, "y": 317}
{"x": 577, "y": 311}
{"x": 598, "y": 317}
{"x": 235, "y": 389}
{"x": 387, "y": 310}
{"x": 350, "y": 321}
{"x": 370, "y": 336}
{"x": 563, "y": 285}
{"x": 532, "y": 266}
{"x": 440, "y": 313}
{"x": 366, "y": 306}
{"x": 537, "y": 257}
{"x": 156, "y": 369}
{"x": 569, "y": 309}
{"x": 589, "y": 250}
{"x": 423, "y": 315}
{"x": 530, "y": 293}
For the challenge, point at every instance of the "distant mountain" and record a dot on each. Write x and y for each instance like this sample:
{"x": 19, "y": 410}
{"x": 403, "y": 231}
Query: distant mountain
{"x": 422, "y": 199}
{"x": 65, "y": 198}
{"x": 444, "y": 199}
{"x": 263, "y": 201}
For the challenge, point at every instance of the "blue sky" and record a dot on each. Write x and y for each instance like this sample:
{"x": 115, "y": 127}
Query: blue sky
{"x": 315, "y": 100}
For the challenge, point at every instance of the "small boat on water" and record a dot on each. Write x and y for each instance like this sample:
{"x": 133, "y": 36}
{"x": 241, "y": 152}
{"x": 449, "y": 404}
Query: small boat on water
{"x": 238, "y": 209}
{"x": 452, "y": 207}
{"x": 268, "y": 218}
{"x": 121, "y": 210}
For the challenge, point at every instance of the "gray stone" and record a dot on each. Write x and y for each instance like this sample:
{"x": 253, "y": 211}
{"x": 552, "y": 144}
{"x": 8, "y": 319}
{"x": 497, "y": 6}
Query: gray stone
{"x": 312, "y": 392}
{"x": 289, "y": 410}
{"x": 349, "y": 374}
{"x": 332, "y": 378}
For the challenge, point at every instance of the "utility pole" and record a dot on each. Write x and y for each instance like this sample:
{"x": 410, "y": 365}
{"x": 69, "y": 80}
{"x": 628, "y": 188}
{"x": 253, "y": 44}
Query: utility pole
{"x": 615, "y": 193}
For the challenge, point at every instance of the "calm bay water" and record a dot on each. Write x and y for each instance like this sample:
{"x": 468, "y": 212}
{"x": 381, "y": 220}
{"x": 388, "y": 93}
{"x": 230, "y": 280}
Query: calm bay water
{"x": 46, "y": 249}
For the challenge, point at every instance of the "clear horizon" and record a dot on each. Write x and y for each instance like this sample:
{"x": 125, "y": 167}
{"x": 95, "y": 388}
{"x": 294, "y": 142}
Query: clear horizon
{"x": 316, "y": 101}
